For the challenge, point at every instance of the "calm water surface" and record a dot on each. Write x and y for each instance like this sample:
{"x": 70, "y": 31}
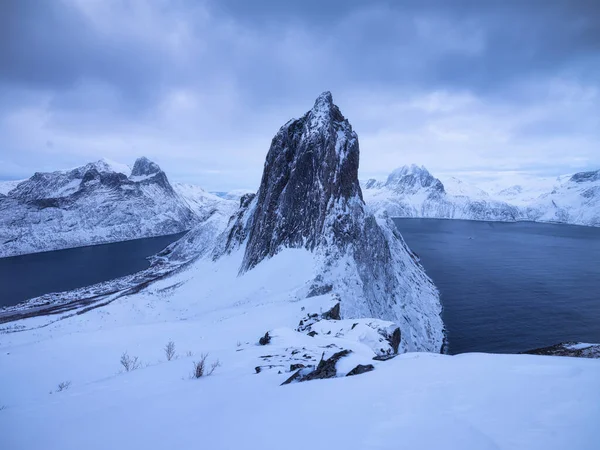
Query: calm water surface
{"x": 28, "y": 276}
{"x": 509, "y": 287}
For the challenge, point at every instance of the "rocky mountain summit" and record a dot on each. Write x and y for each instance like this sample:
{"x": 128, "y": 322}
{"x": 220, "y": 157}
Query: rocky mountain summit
{"x": 93, "y": 204}
{"x": 310, "y": 199}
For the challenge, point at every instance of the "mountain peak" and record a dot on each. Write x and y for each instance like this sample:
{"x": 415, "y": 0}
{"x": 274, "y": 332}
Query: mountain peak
{"x": 324, "y": 101}
{"x": 311, "y": 167}
{"x": 412, "y": 178}
{"x": 144, "y": 167}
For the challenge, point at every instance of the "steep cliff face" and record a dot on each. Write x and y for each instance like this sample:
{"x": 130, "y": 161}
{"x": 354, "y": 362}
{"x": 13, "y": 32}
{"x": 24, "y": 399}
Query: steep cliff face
{"x": 311, "y": 173}
{"x": 91, "y": 204}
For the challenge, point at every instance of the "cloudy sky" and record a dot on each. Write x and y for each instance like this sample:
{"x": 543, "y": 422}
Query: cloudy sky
{"x": 482, "y": 90}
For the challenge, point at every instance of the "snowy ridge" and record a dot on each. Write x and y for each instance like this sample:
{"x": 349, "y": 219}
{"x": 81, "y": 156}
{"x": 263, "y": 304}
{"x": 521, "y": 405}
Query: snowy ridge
{"x": 575, "y": 201}
{"x": 411, "y": 191}
{"x": 95, "y": 204}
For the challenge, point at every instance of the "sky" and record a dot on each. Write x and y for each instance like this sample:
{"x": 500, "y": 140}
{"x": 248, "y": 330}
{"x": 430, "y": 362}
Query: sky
{"x": 485, "y": 91}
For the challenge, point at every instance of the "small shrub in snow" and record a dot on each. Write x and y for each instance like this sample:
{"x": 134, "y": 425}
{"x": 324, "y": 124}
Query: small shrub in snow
{"x": 170, "y": 350}
{"x": 189, "y": 353}
{"x": 63, "y": 385}
{"x": 200, "y": 367}
{"x": 130, "y": 362}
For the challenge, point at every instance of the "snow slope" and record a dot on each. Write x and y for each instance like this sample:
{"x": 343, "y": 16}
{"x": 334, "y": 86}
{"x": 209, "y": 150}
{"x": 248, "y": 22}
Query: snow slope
{"x": 97, "y": 203}
{"x": 575, "y": 201}
{"x": 204, "y": 203}
{"x": 417, "y": 400}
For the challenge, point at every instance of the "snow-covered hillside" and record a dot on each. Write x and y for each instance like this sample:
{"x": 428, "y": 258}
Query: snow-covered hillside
{"x": 204, "y": 203}
{"x": 575, "y": 200}
{"x": 96, "y": 203}
{"x": 411, "y": 191}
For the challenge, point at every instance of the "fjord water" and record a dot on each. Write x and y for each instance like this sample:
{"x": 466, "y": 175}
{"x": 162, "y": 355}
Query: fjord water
{"x": 511, "y": 287}
{"x": 27, "y": 276}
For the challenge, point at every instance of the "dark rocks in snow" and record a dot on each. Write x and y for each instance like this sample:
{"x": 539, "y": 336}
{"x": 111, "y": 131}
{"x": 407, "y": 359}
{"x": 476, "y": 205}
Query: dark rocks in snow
{"x": 333, "y": 313}
{"x": 360, "y": 369}
{"x": 296, "y": 367}
{"x": 325, "y": 369}
{"x": 312, "y": 318}
{"x": 384, "y": 357}
{"x": 265, "y": 339}
{"x": 394, "y": 339}
{"x": 574, "y": 349}
{"x": 312, "y": 333}
{"x": 583, "y": 177}
{"x": 295, "y": 376}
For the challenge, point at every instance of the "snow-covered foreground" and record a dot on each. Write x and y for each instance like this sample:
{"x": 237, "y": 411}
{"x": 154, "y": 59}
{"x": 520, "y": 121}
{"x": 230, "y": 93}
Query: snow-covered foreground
{"x": 416, "y": 400}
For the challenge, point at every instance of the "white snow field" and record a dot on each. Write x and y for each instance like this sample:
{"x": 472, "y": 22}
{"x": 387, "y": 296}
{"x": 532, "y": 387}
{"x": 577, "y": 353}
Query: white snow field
{"x": 414, "y": 401}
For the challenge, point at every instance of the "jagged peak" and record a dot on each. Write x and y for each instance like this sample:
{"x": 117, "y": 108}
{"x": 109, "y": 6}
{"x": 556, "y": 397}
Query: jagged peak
{"x": 324, "y": 101}
{"x": 143, "y": 166}
{"x": 324, "y": 112}
{"x": 412, "y": 169}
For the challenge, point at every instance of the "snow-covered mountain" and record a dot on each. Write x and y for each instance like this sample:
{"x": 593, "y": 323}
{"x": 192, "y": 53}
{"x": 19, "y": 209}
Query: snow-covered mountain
{"x": 302, "y": 283}
{"x": 96, "y": 203}
{"x": 575, "y": 201}
{"x": 411, "y": 191}
{"x": 310, "y": 198}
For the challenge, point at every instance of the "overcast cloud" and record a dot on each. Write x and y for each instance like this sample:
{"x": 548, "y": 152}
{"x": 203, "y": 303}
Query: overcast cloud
{"x": 477, "y": 89}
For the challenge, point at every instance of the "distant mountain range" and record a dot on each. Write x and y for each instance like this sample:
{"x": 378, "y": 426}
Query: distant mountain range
{"x": 98, "y": 203}
{"x": 105, "y": 202}
{"x": 412, "y": 191}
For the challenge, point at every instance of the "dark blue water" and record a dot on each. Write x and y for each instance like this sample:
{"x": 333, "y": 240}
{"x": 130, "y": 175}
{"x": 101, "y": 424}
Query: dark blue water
{"x": 28, "y": 276}
{"x": 509, "y": 287}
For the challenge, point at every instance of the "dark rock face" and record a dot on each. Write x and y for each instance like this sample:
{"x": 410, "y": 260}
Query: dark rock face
{"x": 333, "y": 313}
{"x": 394, "y": 339}
{"x": 143, "y": 166}
{"x": 360, "y": 369}
{"x": 312, "y": 165}
{"x": 574, "y": 349}
{"x": 583, "y": 177}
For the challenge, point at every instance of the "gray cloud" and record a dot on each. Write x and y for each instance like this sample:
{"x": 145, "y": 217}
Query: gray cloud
{"x": 202, "y": 87}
